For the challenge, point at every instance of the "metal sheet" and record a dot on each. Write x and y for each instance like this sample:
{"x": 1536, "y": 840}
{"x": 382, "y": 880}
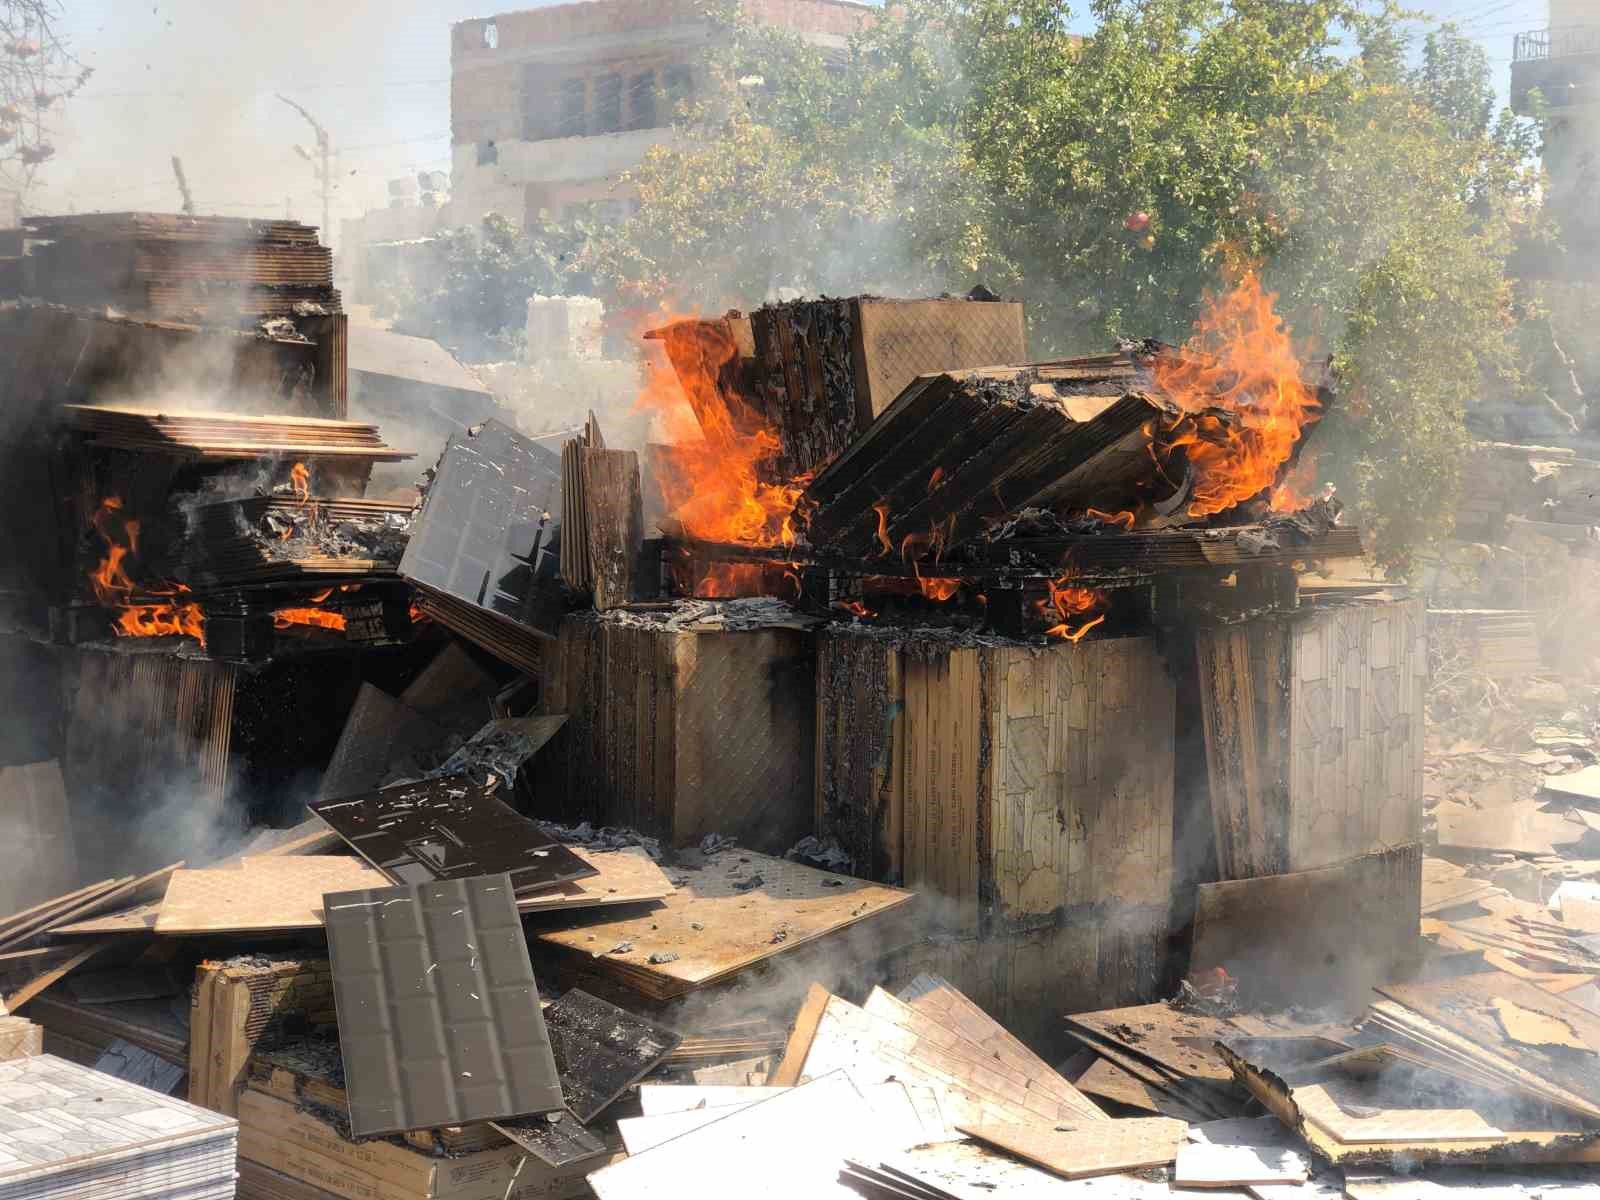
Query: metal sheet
{"x": 449, "y": 829}
{"x": 439, "y": 1020}
{"x": 487, "y": 533}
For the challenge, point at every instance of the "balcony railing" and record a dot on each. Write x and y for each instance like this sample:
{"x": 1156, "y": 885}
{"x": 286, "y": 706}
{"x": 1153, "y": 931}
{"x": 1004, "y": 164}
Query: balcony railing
{"x": 1564, "y": 42}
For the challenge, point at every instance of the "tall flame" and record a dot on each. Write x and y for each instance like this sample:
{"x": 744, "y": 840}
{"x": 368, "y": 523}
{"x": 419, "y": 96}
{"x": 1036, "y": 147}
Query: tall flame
{"x": 721, "y": 481}
{"x": 300, "y": 481}
{"x": 1241, "y": 360}
{"x": 114, "y": 588}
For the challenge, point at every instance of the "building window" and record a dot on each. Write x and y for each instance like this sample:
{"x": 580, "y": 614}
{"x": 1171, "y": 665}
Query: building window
{"x": 608, "y": 104}
{"x": 642, "y": 101}
{"x": 491, "y": 35}
{"x": 571, "y": 122}
{"x": 677, "y": 85}
{"x": 488, "y": 154}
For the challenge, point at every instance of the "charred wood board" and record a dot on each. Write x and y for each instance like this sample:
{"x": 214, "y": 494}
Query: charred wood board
{"x": 959, "y": 452}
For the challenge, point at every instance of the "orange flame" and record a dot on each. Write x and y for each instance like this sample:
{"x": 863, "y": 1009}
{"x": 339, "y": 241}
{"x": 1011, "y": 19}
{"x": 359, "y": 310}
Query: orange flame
{"x": 114, "y": 588}
{"x": 721, "y": 481}
{"x": 316, "y": 618}
{"x": 1124, "y": 519}
{"x": 854, "y": 607}
{"x": 1071, "y": 603}
{"x": 1240, "y": 360}
{"x": 882, "y": 509}
{"x": 300, "y": 481}
{"x": 726, "y": 580}
{"x": 938, "y": 589}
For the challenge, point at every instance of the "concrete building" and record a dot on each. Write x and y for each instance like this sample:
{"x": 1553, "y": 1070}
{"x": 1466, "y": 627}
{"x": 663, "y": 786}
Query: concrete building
{"x": 1562, "y": 63}
{"x": 549, "y": 106}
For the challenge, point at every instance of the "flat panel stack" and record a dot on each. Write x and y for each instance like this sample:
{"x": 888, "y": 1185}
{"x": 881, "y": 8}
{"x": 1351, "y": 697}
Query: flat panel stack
{"x": 73, "y": 1133}
{"x": 206, "y": 268}
{"x": 1314, "y": 725}
{"x": 1031, "y": 788}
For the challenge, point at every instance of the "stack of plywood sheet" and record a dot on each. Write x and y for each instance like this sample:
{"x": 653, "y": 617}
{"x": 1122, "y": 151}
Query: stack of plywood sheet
{"x": 227, "y": 435}
{"x": 1030, "y": 788}
{"x": 681, "y": 732}
{"x": 1313, "y": 725}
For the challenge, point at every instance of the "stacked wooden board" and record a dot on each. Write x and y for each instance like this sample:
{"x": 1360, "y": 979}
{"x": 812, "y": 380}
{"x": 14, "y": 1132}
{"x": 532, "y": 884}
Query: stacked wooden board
{"x": 214, "y": 268}
{"x": 227, "y": 435}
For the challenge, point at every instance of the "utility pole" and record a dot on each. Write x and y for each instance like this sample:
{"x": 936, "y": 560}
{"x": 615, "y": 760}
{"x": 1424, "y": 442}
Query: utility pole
{"x": 321, "y": 165}
{"x": 183, "y": 186}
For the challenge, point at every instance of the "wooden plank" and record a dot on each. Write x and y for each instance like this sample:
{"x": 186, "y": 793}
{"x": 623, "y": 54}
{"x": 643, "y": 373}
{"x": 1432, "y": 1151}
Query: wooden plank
{"x": 725, "y": 916}
{"x": 49, "y": 977}
{"x": 613, "y": 516}
{"x": 263, "y": 894}
{"x": 1319, "y": 1104}
{"x": 787, "y": 1072}
{"x": 873, "y": 1049}
{"x": 1313, "y": 936}
{"x": 18, "y": 925}
{"x": 937, "y": 999}
{"x": 1093, "y": 1148}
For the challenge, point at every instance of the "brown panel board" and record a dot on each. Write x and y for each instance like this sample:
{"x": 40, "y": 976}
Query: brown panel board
{"x": 261, "y": 895}
{"x": 1093, "y": 1148}
{"x": 740, "y": 903}
{"x": 1314, "y": 938}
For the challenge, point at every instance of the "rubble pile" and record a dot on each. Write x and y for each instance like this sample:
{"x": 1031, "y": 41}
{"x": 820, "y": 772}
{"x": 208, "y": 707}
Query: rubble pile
{"x": 979, "y": 783}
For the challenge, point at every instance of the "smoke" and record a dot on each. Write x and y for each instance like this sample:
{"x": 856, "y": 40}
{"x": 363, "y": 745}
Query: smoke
{"x": 200, "y": 81}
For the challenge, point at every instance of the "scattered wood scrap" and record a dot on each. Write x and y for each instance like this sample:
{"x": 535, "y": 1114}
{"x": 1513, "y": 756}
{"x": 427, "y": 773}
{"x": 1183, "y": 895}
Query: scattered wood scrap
{"x": 738, "y": 910}
{"x": 1091, "y": 1148}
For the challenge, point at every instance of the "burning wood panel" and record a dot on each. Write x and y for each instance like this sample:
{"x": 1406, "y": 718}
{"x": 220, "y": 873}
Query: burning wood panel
{"x": 959, "y": 452}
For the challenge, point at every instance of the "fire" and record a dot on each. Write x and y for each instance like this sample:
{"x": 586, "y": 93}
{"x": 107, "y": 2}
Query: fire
{"x": 726, "y": 580}
{"x": 317, "y": 618}
{"x": 882, "y": 509}
{"x": 722, "y": 482}
{"x": 161, "y": 620}
{"x": 1240, "y": 360}
{"x": 1124, "y": 519}
{"x": 114, "y": 588}
{"x": 300, "y": 481}
{"x": 854, "y": 607}
{"x": 938, "y": 589}
{"x": 1073, "y": 603}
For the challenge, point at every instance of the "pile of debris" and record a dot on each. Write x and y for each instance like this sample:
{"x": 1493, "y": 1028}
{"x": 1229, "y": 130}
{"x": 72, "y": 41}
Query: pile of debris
{"x": 955, "y": 717}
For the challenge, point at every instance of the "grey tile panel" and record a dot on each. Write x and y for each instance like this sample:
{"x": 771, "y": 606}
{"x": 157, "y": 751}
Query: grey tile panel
{"x": 439, "y": 1020}
{"x": 488, "y": 532}
{"x": 449, "y": 829}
